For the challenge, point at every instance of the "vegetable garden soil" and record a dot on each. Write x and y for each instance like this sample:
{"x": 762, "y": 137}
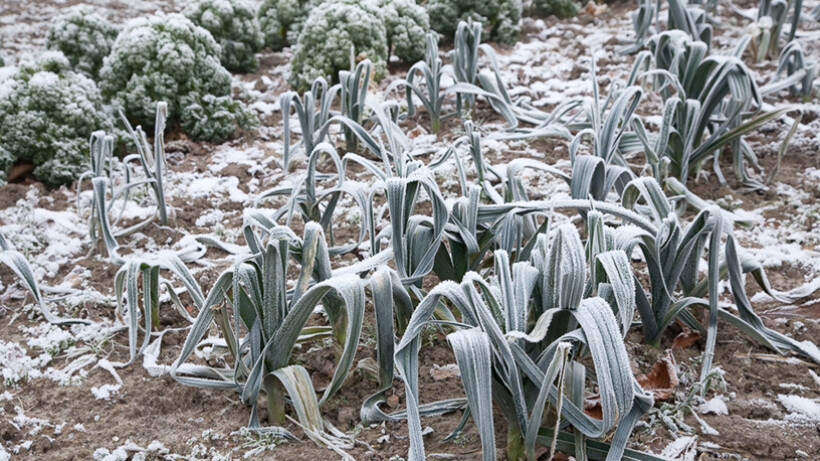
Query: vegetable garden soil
{"x": 43, "y": 420}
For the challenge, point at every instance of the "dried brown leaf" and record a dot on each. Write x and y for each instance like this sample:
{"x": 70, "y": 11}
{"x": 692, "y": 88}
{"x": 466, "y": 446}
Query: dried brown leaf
{"x": 662, "y": 378}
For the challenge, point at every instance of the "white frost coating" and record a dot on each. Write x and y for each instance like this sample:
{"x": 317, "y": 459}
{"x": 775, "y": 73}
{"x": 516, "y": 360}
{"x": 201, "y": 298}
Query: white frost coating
{"x": 223, "y": 157}
{"x": 210, "y": 218}
{"x": 49, "y": 338}
{"x": 106, "y": 391}
{"x": 715, "y": 406}
{"x": 208, "y": 186}
{"x": 60, "y": 232}
{"x": 800, "y": 405}
{"x": 44, "y": 80}
{"x": 16, "y": 366}
{"x": 265, "y": 108}
{"x": 815, "y": 377}
{"x": 793, "y": 386}
{"x": 811, "y": 349}
{"x": 681, "y": 449}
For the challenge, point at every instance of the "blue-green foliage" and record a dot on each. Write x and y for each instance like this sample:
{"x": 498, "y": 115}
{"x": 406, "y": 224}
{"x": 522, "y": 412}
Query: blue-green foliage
{"x": 47, "y": 114}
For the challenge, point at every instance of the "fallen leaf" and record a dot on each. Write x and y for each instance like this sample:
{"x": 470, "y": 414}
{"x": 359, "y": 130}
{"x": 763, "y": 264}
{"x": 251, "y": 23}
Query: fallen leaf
{"x": 592, "y": 406}
{"x": 594, "y": 9}
{"x": 19, "y": 171}
{"x": 810, "y": 311}
{"x": 416, "y": 132}
{"x": 685, "y": 338}
{"x": 662, "y": 378}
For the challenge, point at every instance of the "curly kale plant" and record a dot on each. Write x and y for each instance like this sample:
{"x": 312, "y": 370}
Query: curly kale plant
{"x": 499, "y": 17}
{"x": 233, "y": 25}
{"x": 560, "y": 8}
{"x": 84, "y": 37}
{"x": 282, "y": 20}
{"x": 47, "y": 115}
{"x": 336, "y": 33}
{"x": 168, "y": 58}
{"x": 407, "y": 24}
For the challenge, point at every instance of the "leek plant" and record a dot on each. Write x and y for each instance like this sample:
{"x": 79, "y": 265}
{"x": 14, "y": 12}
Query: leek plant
{"x": 642, "y": 23}
{"x": 354, "y": 85}
{"x": 521, "y": 341}
{"x": 690, "y": 19}
{"x": 21, "y": 268}
{"x": 710, "y": 102}
{"x": 799, "y": 71}
{"x": 106, "y": 192}
{"x": 151, "y": 161}
{"x": 595, "y": 175}
{"x": 429, "y": 72}
{"x": 139, "y": 280}
{"x": 673, "y": 253}
{"x": 772, "y": 17}
{"x": 607, "y": 129}
{"x": 313, "y": 112}
{"x": 317, "y": 204}
{"x": 469, "y": 82}
{"x": 102, "y": 165}
{"x": 261, "y": 313}
{"x": 464, "y": 57}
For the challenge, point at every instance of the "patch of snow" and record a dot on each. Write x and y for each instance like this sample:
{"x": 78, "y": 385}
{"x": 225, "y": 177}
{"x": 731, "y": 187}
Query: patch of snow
{"x": 715, "y": 406}
{"x": 800, "y": 405}
{"x": 16, "y": 366}
{"x": 106, "y": 391}
{"x": 681, "y": 448}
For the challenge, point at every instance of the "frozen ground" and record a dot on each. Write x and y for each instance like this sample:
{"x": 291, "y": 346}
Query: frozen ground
{"x": 63, "y": 397}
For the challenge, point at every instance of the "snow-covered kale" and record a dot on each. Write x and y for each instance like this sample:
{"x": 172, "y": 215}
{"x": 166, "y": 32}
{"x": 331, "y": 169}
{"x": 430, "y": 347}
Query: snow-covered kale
{"x": 499, "y": 17}
{"x": 282, "y": 20}
{"x": 407, "y": 24}
{"x": 560, "y": 8}
{"x": 214, "y": 118}
{"x": 169, "y": 58}
{"x": 84, "y": 37}
{"x": 335, "y": 33}
{"x": 233, "y": 25}
{"x": 47, "y": 114}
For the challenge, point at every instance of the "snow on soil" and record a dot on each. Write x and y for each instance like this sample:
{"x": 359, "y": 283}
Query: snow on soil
{"x": 715, "y": 406}
{"x": 541, "y": 69}
{"x": 801, "y": 406}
